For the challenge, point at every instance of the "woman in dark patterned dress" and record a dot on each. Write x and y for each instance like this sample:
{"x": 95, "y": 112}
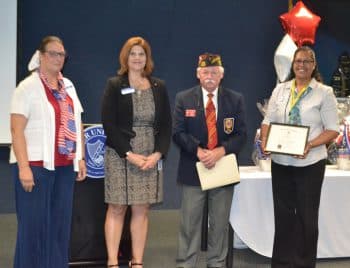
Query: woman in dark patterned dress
{"x": 137, "y": 121}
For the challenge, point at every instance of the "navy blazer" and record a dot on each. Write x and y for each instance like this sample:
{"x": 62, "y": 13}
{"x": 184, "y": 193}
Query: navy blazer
{"x": 117, "y": 115}
{"x": 190, "y": 129}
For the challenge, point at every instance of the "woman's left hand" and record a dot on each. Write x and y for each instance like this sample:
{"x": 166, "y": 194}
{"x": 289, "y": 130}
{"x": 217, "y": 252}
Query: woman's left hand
{"x": 306, "y": 151}
{"x": 82, "y": 170}
{"x": 151, "y": 161}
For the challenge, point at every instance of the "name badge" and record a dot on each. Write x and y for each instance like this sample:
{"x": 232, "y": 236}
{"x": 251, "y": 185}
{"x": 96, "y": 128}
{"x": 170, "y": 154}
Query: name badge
{"x": 160, "y": 164}
{"x": 128, "y": 90}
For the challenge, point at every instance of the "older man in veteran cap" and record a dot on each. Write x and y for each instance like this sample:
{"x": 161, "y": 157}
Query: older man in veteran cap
{"x": 209, "y": 122}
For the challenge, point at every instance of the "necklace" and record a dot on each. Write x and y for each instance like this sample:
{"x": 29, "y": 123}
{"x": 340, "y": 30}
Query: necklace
{"x": 138, "y": 92}
{"x": 136, "y": 83}
{"x": 139, "y": 83}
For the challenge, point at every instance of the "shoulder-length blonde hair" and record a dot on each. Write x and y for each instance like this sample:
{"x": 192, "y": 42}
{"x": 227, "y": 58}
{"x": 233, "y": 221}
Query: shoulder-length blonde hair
{"x": 124, "y": 55}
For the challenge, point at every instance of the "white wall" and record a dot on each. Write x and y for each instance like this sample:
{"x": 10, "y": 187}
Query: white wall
{"x": 8, "y": 43}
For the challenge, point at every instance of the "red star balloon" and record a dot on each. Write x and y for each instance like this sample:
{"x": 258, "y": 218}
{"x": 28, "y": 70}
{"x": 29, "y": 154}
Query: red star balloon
{"x": 301, "y": 24}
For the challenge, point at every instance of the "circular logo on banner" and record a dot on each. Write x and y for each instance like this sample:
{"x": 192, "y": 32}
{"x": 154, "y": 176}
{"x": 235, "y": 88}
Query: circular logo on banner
{"x": 94, "y": 151}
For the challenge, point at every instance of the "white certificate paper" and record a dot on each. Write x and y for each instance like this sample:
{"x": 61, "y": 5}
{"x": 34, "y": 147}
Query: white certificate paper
{"x": 225, "y": 172}
{"x": 287, "y": 139}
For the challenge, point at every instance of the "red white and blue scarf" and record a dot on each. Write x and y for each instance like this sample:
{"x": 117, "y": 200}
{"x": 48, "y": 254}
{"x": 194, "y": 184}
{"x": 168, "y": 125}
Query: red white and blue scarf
{"x": 67, "y": 133}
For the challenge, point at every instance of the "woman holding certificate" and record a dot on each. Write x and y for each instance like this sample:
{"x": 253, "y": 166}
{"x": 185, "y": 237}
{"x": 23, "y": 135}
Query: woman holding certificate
{"x": 297, "y": 180}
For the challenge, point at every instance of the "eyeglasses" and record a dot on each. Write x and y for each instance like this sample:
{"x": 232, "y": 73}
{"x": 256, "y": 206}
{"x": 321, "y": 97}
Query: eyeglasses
{"x": 54, "y": 54}
{"x": 303, "y": 62}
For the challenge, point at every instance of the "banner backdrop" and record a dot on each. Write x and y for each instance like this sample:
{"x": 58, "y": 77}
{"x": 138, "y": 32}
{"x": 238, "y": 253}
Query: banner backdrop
{"x": 87, "y": 246}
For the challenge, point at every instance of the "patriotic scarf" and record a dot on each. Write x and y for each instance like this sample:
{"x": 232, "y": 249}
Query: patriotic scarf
{"x": 67, "y": 130}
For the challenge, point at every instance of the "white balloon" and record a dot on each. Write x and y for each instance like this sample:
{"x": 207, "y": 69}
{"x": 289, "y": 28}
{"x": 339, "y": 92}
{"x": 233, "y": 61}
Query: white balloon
{"x": 284, "y": 57}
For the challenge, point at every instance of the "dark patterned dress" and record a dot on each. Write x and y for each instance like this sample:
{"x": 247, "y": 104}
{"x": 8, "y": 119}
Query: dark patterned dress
{"x": 125, "y": 183}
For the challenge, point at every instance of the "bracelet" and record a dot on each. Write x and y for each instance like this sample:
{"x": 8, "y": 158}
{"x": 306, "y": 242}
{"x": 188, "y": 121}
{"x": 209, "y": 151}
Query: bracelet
{"x": 310, "y": 144}
{"x": 127, "y": 153}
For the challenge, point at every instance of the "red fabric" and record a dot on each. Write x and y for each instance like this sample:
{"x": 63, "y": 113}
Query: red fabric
{"x": 210, "y": 118}
{"x": 36, "y": 163}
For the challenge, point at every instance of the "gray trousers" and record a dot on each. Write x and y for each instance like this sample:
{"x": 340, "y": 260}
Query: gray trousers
{"x": 191, "y": 214}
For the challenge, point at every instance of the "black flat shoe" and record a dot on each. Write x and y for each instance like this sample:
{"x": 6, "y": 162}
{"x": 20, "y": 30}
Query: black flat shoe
{"x": 135, "y": 264}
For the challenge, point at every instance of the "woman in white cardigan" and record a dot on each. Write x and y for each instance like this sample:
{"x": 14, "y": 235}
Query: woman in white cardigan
{"x": 47, "y": 147}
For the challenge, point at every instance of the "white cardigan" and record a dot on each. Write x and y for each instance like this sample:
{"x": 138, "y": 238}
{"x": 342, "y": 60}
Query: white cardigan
{"x": 30, "y": 100}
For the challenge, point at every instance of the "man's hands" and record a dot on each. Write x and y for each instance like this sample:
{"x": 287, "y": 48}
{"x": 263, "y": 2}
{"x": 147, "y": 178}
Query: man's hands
{"x": 210, "y": 157}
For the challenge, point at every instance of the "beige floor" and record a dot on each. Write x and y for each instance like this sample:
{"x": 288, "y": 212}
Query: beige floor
{"x": 161, "y": 247}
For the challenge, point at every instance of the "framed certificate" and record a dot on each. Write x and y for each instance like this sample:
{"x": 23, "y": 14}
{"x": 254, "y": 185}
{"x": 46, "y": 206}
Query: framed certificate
{"x": 287, "y": 139}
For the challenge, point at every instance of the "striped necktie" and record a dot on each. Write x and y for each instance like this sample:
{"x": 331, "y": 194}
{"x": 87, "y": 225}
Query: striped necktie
{"x": 210, "y": 118}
